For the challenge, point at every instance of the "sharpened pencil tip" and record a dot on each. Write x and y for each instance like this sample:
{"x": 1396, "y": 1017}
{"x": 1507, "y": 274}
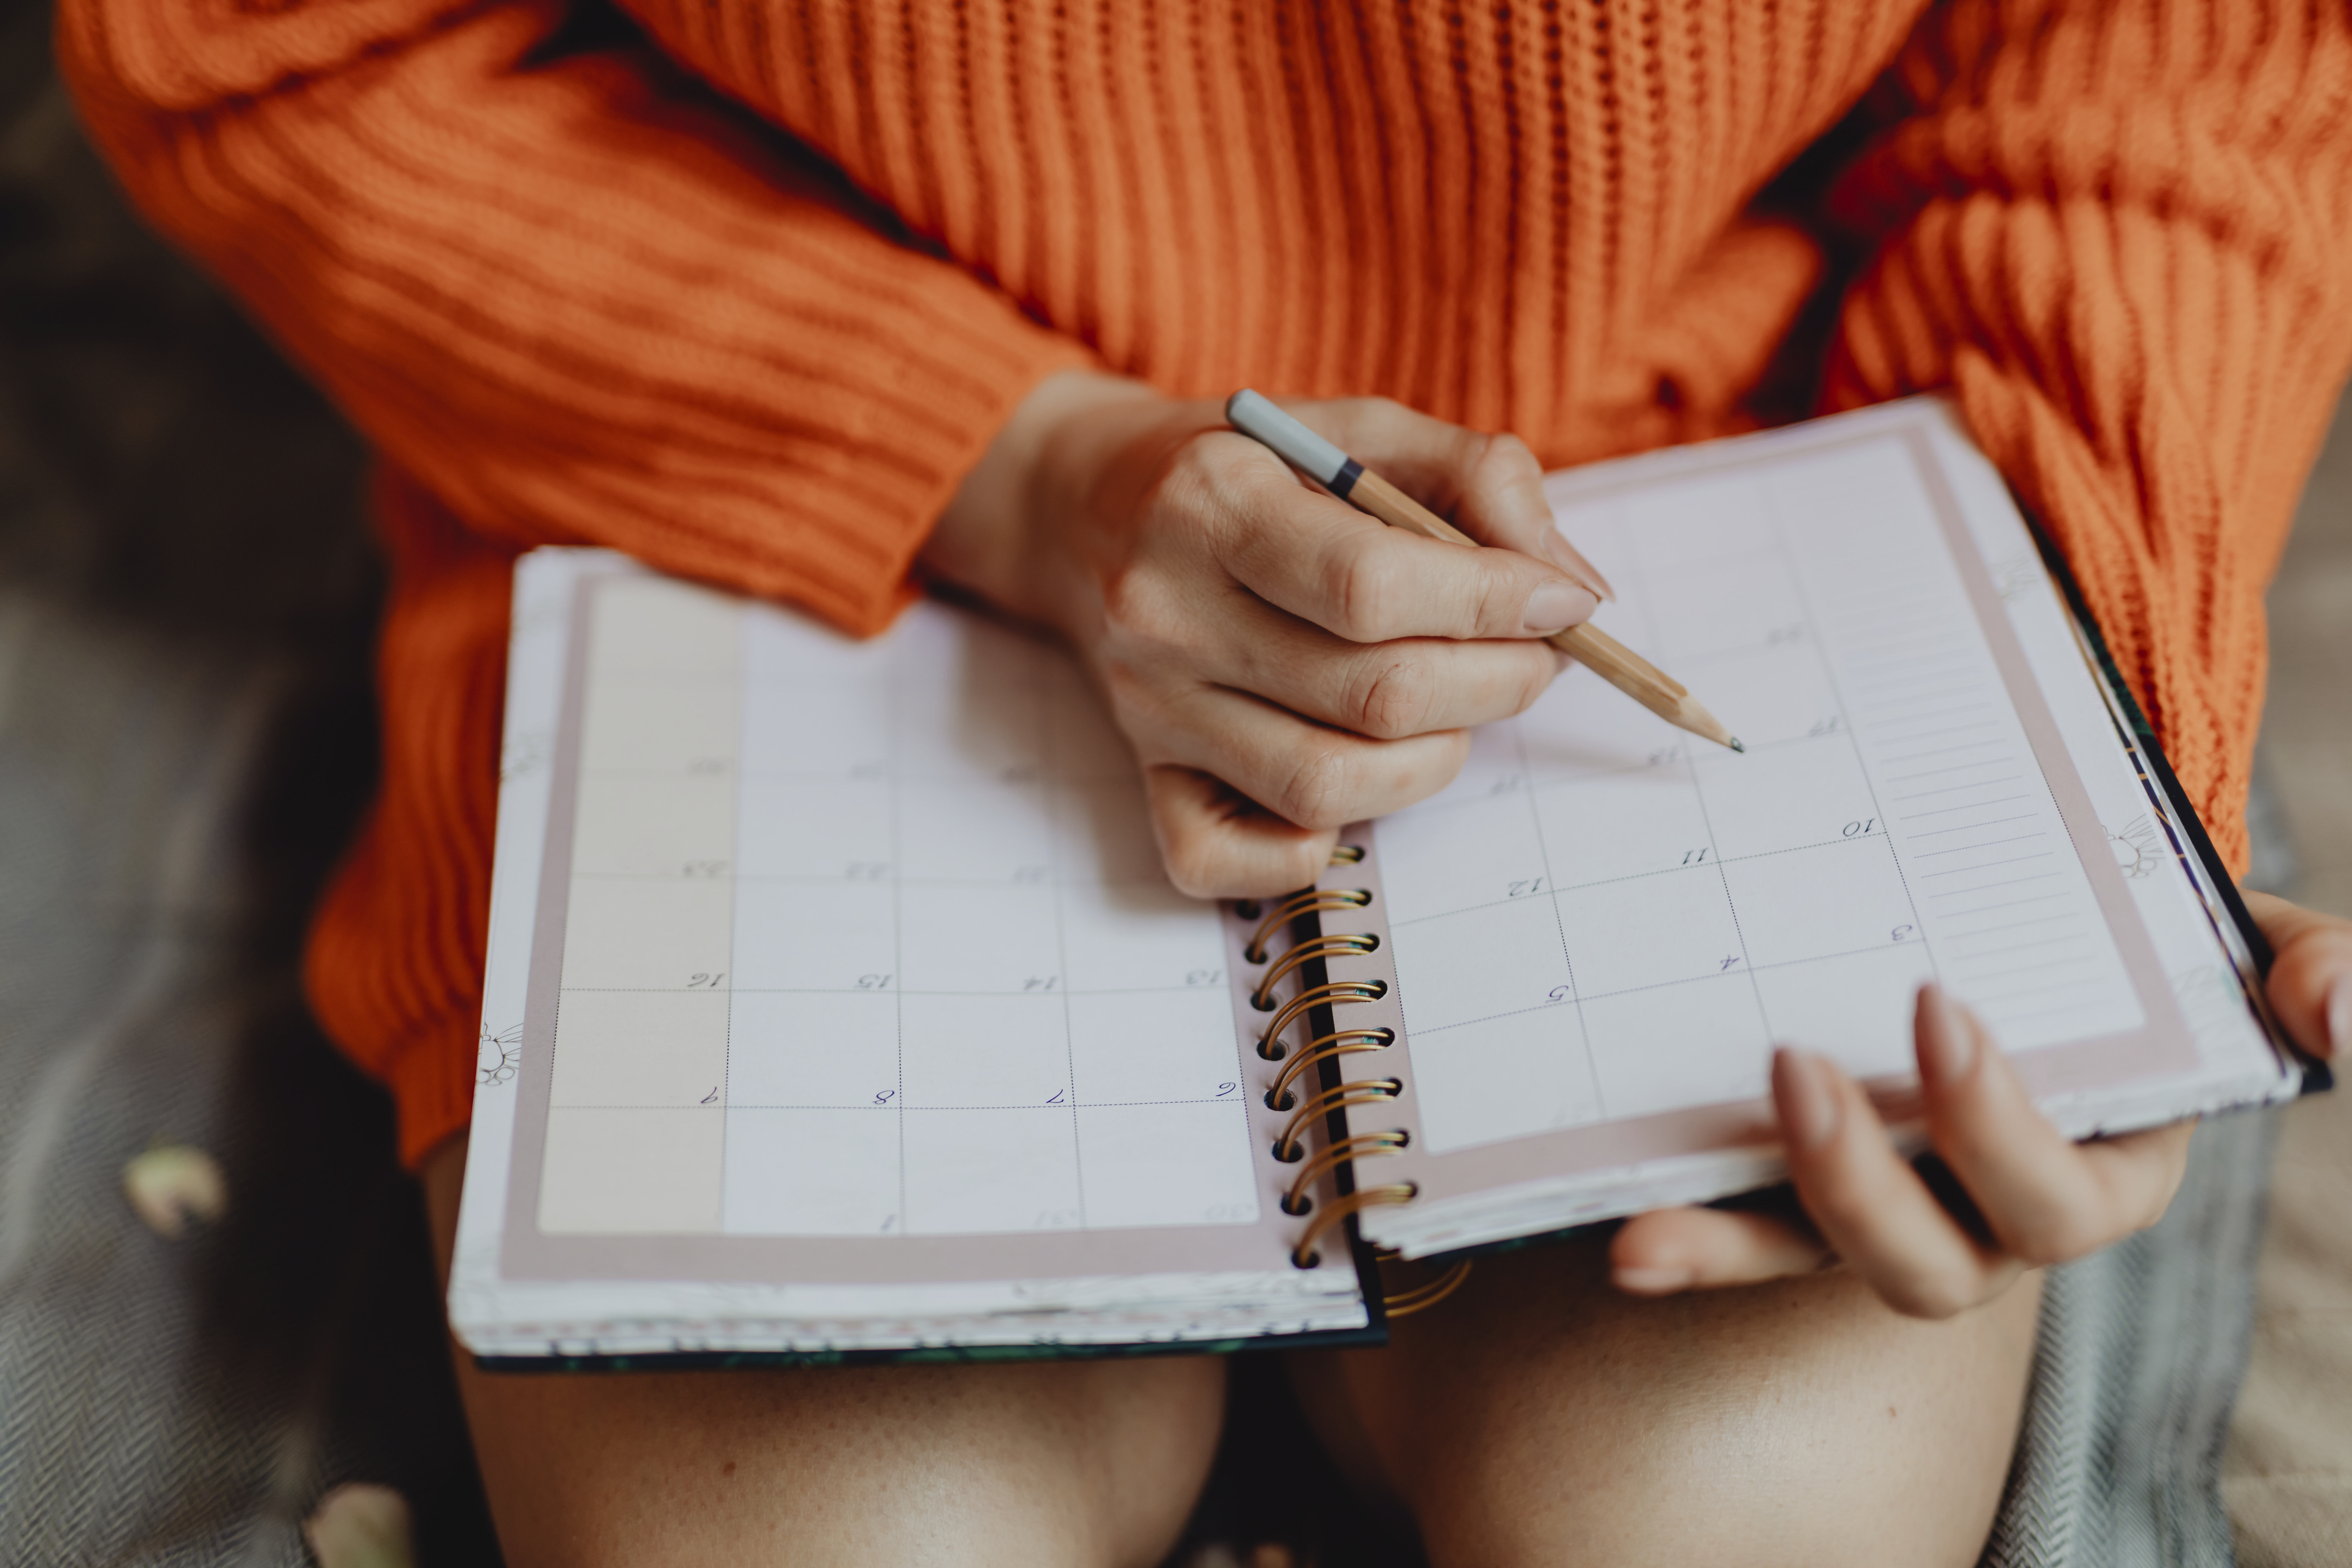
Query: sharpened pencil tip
{"x": 1736, "y": 745}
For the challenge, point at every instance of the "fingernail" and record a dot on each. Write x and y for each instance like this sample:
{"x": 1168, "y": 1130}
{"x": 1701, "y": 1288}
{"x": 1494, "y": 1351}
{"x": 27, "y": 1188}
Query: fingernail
{"x": 1946, "y": 1048}
{"x": 1571, "y": 560}
{"x": 1556, "y": 605}
{"x": 1653, "y": 1281}
{"x": 1809, "y": 1106}
{"x": 2339, "y": 1016}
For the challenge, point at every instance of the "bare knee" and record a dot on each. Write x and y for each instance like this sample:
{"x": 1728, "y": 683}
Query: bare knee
{"x": 1037, "y": 1463}
{"x": 1553, "y": 1421}
{"x": 1089, "y": 1464}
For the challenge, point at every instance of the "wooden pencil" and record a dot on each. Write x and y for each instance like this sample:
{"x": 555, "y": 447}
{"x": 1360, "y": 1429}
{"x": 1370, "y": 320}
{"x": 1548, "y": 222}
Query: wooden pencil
{"x": 1326, "y": 465}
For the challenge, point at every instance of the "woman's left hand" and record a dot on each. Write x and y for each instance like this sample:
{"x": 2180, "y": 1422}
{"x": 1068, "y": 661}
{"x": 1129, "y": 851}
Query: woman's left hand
{"x": 2042, "y": 1199}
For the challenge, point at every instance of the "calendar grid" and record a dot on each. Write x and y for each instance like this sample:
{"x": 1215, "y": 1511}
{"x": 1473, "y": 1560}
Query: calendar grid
{"x": 1698, "y": 793}
{"x": 727, "y": 1022}
{"x": 1050, "y": 736}
{"x": 1638, "y": 990}
{"x": 897, "y": 1220}
{"x": 1560, "y": 926}
{"x": 941, "y": 898}
{"x": 1851, "y": 660}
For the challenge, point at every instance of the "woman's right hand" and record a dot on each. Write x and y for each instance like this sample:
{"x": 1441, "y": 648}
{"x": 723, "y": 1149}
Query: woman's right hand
{"x": 1283, "y": 664}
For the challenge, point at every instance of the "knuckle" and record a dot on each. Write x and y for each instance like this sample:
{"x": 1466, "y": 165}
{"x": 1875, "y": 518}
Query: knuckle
{"x": 1396, "y": 694}
{"x": 1315, "y": 792}
{"x": 1197, "y": 464}
{"x": 1365, "y": 593}
{"x": 1147, "y": 625}
{"x": 1499, "y": 594}
{"x": 1369, "y": 418}
{"x": 1503, "y": 458}
{"x": 1195, "y": 486}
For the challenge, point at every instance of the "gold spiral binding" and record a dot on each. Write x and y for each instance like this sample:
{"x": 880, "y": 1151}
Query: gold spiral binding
{"x": 1337, "y": 994}
{"x": 1314, "y": 901}
{"x": 1363, "y": 1145}
{"x": 1428, "y": 1294}
{"x": 1322, "y": 1048}
{"x": 1343, "y": 946}
{"x": 1363, "y": 1091}
{"x": 1304, "y": 1254}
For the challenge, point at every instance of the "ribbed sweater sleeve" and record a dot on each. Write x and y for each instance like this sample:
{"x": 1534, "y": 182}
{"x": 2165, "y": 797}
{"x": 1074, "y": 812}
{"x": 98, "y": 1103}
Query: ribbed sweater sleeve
{"x": 2121, "y": 233}
{"x": 574, "y": 299}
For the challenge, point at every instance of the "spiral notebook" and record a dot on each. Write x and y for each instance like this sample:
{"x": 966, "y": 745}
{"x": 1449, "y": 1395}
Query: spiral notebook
{"x": 837, "y": 1006}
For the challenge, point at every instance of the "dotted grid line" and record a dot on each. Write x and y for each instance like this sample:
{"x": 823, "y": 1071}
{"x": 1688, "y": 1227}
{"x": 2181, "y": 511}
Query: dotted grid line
{"x": 1668, "y": 985}
{"x": 1560, "y": 925}
{"x": 1644, "y": 876}
{"x": 1698, "y": 793}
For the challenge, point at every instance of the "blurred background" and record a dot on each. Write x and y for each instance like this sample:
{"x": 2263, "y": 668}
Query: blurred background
{"x": 187, "y": 598}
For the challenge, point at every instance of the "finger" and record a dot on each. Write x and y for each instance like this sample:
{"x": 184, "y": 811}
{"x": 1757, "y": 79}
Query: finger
{"x": 1310, "y": 775}
{"x": 1669, "y": 1250}
{"x": 1490, "y": 485}
{"x": 1327, "y": 562}
{"x": 2310, "y": 982}
{"x": 1387, "y": 690}
{"x": 1217, "y": 843}
{"x": 1871, "y": 1205}
{"x": 2047, "y": 1198}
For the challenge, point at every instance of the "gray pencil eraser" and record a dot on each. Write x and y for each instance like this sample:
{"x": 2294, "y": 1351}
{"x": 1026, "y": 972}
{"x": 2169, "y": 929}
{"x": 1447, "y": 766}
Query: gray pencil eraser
{"x": 1294, "y": 443}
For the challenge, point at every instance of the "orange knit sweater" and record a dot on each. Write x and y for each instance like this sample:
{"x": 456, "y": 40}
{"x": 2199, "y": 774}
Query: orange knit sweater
{"x": 743, "y": 287}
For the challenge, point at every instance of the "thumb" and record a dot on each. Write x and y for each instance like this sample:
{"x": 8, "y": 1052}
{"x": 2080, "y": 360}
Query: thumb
{"x": 1489, "y": 486}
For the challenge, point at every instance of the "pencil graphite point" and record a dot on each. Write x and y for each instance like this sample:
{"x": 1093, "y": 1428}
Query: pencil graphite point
{"x": 1738, "y": 747}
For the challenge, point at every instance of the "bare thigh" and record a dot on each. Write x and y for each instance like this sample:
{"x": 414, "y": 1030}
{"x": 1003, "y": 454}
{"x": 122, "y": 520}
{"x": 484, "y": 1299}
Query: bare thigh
{"x": 1073, "y": 1462}
{"x": 1540, "y": 1416}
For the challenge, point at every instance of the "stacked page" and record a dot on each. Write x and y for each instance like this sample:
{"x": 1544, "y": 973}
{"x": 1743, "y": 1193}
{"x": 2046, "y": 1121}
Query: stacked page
{"x": 837, "y": 1002}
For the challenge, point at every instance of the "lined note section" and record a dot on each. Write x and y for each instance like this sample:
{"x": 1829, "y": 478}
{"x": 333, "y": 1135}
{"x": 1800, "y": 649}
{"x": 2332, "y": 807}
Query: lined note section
{"x": 1999, "y": 885}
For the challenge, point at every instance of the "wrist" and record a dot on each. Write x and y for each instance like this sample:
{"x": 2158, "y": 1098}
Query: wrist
{"x": 991, "y": 539}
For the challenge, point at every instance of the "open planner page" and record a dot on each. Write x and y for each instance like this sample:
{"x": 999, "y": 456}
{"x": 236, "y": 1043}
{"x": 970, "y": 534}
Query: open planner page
{"x": 1600, "y": 930}
{"x": 837, "y": 1001}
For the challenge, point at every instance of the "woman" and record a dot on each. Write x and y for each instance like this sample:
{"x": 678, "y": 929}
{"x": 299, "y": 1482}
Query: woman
{"x": 810, "y": 299}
